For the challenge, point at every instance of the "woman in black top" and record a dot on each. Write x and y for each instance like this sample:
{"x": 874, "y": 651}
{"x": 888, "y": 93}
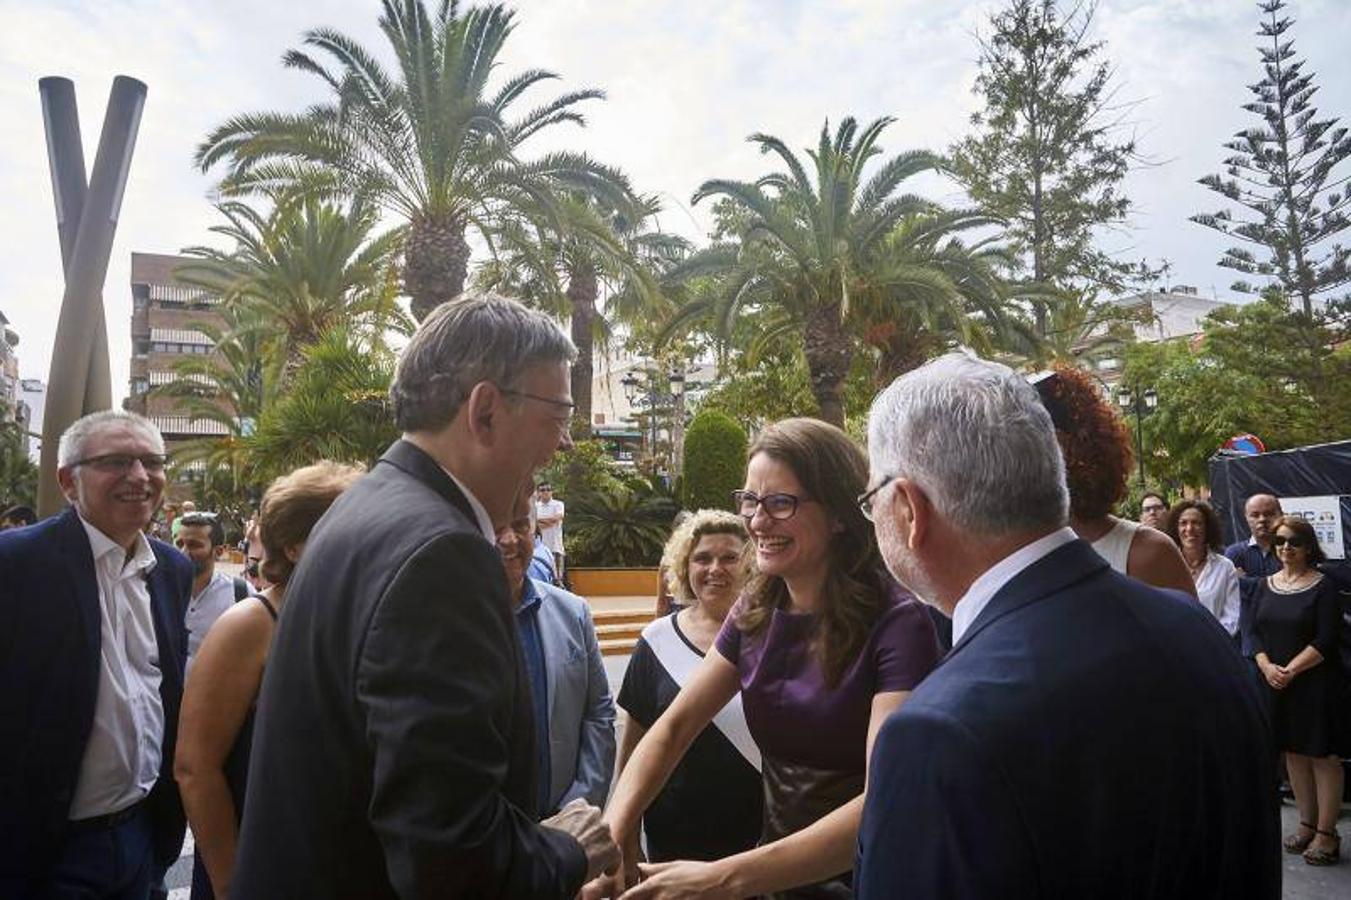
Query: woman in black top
{"x": 216, "y": 722}
{"x": 1296, "y": 620}
{"x": 711, "y": 806}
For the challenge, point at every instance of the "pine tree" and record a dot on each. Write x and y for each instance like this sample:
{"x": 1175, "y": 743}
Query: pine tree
{"x": 1282, "y": 172}
{"x": 1045, "y": 155}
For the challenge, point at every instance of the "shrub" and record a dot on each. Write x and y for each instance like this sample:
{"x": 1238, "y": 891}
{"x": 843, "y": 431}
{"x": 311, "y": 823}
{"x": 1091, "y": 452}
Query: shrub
{"x": 715, "y": 461}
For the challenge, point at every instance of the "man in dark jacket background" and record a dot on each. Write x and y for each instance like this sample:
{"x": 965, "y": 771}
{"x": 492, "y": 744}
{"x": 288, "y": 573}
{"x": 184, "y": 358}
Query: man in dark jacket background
{"x": 394, "y": 747}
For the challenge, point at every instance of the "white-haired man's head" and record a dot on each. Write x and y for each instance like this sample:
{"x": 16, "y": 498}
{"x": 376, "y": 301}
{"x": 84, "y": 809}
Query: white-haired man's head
{"x": 111, "y": 468}
{"x": 965, "y": 454}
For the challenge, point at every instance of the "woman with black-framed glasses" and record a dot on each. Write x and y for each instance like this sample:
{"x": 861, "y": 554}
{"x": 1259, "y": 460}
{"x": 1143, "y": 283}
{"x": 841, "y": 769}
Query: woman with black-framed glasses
{"x": 822, "y": 645}
{"x": 1295, "y": 633}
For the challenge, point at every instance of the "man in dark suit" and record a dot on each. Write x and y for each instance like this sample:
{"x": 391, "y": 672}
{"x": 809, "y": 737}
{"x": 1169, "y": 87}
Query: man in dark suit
{"x": 92, "y": 652}
{"x": 394, "y": 749}
{"x": 1088, "y": 735}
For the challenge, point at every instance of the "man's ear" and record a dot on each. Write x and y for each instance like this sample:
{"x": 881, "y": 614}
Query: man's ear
{"x": 914, "y": 510}
{"x": 481, "y": 409}
{"x": 66, "y": 478}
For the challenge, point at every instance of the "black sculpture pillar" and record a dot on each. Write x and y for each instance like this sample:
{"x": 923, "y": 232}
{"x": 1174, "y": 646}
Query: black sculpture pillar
{"x": 79, "y": 381}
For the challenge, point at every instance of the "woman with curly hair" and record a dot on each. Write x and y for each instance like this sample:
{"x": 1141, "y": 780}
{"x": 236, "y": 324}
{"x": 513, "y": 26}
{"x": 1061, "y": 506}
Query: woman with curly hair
{"x": 822, "y": 645}
{"x": 1194, "y": 527}
{"x": 1098, "y": 459}
{"x": 711, "y": 804}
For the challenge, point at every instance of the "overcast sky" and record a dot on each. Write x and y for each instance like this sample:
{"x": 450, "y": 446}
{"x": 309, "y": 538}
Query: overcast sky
{"x": 686, "y": 81}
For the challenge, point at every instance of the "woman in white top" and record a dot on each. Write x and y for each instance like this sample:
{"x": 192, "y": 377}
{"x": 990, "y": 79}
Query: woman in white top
{"x": 1098, "y": 462}
{"x": 1194, "y": 527}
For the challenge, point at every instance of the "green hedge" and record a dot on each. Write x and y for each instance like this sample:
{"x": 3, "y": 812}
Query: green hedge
{"x": 715, "y": 461}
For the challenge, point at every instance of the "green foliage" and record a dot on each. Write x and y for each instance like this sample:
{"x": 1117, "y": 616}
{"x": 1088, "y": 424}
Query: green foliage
{"x": 1043, "y": 157}
{"x": 18, "y": 474}
{"x": 715, "y": 460}
{"x": 624, "y": 527}
{"x": 1280, "y": 173}
{"x": 758, "y": 390}
{"x": 1260, "y": 368}
{"x": 336, "y": 408}
{"x": 585, "y": 469}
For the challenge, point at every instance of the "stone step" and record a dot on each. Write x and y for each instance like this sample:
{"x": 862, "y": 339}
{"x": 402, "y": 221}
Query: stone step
{"x": 617, "y": 646}
{"x": 626, "y": 630}
{"x": 621, "y": 617}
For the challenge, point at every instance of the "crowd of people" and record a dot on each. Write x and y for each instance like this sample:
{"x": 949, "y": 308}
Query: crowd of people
{"x": 940, "y": 668}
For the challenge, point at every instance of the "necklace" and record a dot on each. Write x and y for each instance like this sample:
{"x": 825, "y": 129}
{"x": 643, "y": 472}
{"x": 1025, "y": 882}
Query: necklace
{"x": 1292, "y": 583}
{"x": 1196, "y": 567}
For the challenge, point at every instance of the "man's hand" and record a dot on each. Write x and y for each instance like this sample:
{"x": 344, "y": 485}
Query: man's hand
{"x": 582, "y": 821}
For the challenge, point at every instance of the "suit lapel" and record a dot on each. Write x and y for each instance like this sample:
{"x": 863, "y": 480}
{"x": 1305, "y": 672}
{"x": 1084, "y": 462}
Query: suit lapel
{"x": 1054, "y": 572}
{"x": 163, "y": 611}
{"x": 413, "y": 460}
{"x": 79, "y": 568}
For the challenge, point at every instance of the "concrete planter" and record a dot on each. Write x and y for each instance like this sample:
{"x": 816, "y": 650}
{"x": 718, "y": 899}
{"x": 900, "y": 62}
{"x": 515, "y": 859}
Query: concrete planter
{"x": 637, "y": 582}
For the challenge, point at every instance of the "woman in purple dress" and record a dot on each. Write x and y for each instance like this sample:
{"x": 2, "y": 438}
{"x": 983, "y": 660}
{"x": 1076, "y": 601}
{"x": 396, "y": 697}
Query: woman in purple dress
{"x": 822, "y": 646}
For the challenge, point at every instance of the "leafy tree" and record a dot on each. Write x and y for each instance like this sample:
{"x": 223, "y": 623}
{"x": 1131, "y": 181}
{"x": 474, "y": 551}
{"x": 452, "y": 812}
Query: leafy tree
{"x": 1044, "y": 156}
{"x": 18, "y": 474}
{"x": 1260, "y": 368}
{"x": 585, "y": 469}
{"x": 715, "y": 459}
{"x": 335, "y": 408}
{"x": 429, "y": 142}
{"x": 1282, "y": 172}
{"x": 809, "y": 250}
{"x": 593, "y": 250}
{"x": 303, "y": 269}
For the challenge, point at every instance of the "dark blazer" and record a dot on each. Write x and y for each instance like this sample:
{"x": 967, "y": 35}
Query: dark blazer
{"x": 393, "y": 751}
{"x": 49, "y": 675}
{"x": 1089, "y": 736}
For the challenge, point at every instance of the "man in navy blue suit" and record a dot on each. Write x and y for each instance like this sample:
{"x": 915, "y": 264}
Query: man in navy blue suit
{"x": 1088, "y": 735}
{"x": 92, "y": 650}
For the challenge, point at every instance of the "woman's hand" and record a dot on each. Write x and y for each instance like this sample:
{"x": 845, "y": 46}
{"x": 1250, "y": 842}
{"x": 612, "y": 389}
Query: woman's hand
{"x": 1276, "y": 676}
{"x": 682, "y": 881}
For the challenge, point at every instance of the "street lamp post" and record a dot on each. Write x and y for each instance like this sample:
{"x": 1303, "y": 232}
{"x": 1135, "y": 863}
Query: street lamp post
{"x": 677, "y": 379}
{"x": 1142, "y": 403}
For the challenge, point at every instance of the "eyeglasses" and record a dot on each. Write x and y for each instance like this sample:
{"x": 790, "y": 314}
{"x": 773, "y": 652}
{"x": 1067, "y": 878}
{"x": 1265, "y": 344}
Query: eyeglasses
{"x": 776, "y": 506}
{"x": 561, "y": 404}
{"x": 121, "y": 463}
{"x": 1296, "y": 543}
{"x": 251, "y": 570}
{"x": 1153, "y": 508}
{"x": 865, "y": 500}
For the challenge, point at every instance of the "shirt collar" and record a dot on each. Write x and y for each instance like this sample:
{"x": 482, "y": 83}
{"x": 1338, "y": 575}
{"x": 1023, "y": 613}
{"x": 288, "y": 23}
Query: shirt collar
{"x": 142, "y": 558}
{"x": 485, "y": 523}
{"x": 984, "y": 588}
{"x": 530, "y": 597}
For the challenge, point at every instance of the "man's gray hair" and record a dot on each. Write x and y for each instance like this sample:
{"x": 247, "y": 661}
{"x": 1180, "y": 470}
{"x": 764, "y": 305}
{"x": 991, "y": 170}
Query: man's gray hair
{"x": 474, "y": 338}
{"x": 976, "y": 438}
{"x": 75, "y": 439}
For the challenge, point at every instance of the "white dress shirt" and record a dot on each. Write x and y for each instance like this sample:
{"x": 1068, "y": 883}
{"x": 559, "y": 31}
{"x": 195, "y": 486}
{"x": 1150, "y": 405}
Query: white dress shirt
{"x": 552, "y": 537}
{"x": 983, "y": 589}
{"x": 1217, "y": 589}
{"x": 122, "y": 758}
{"x": 485, "y": 523}
{"x": 205, "y": 608}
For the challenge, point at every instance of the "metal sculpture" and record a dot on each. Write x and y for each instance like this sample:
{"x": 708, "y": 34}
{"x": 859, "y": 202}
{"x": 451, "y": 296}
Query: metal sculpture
{"x": 86, "y": 222}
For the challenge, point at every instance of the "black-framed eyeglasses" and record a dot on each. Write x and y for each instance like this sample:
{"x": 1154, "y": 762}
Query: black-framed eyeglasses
{"x": 121, "y": 463}
{"x": 865, "y": 500}
{"x": 567, "y": 405}
{"x": 776, "y": 506}
{"x": 1295, "y": 542}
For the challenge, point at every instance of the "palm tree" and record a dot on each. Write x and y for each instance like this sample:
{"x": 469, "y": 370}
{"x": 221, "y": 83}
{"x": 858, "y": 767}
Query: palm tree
{"x": 428, "y": 142}
{"x": 335, "y": 408}
{"x": 301, "y": 270}
{"x": 812, "y": 249}
{"x": 595, "y": 247}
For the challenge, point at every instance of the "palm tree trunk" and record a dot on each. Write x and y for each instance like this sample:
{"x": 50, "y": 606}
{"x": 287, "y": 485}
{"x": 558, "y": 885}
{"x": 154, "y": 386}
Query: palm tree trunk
{"x": 583, "y": 289}
{"x": 829, "y": 353}
{"x": 436, "y": 262}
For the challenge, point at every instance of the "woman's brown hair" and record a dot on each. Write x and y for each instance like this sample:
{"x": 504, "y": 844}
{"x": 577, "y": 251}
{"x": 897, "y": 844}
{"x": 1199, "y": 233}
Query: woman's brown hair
{"x": 1095, "y": 442}
{"x": 291, "y": 507}
{"x": 1212, "y": 522}
{"x": 1304, "y": 531}
{"x": 833, "y": 471}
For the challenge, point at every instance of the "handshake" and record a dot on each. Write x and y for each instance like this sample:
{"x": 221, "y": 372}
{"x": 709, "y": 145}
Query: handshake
{"x": 608, "y": 869}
